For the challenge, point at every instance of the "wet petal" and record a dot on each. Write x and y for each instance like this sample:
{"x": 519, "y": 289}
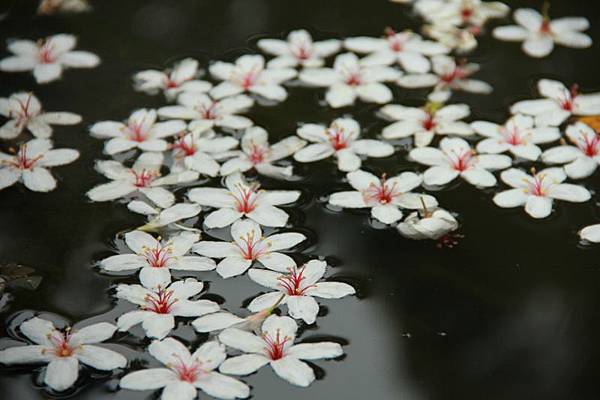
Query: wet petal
{"x": 511, "y": 198}
{"x": 61, "y": 373}
{"x": 95, "y": 333}
{"x": 244, "y": 364}
{"x": 100, "y": 358}
{"x": 241, "y": 340}
{"x": 315, "y": 351}
{"x": 538, "y": 207}
{"x": 222, "y": 387}
{"x": 148, "y": 379}
{"x": 294, "y": 371}
{"x": 303, "y": 307}
{"x": 330, "y": 290}
{"x": 39, "y": 180}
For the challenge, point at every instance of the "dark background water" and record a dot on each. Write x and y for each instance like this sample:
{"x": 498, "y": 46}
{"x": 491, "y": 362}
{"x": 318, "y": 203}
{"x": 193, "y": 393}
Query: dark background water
{"x": 510, "y": 313}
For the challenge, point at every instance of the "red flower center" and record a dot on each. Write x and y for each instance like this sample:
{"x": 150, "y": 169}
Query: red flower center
{"x": 257, "y": 153}
{"x": 429, "y": 122}
{"x": 245, "y": 198}
{"x": 462, "y": 161}
{"x": 160, "y": 301}
{"x": 512, "y": 135}
{"x": 545, "y": 27}
{"x": 159, "y": 256}
{"x": 144, "y": 177}
{"x": 45, "y": 54}
{"x": 591, "y": 145}
{"x": 567, "y": 102}
{"x": 209, "y": 111}
{"x": 185, "y": 147}
{"x": 252, "y": 249}
{"x": 381, "y": 193}
{"x": 466, "y": 13}
{"x": 22, "y": 160}
{"x": 457, "y": 74}
{"x": 337, "y": 137}
{"x": 187, "y": 372}
{"x": 60, "y": 342}
{"x": 275, "y": 346}
{"x": 292, "y": 282}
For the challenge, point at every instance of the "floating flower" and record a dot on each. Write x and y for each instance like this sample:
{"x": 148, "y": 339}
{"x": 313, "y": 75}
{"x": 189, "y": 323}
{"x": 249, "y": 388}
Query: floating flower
{"x": 348, "y": 79}
{"x": 428, "y": 224}
{"x": 258, "y": 154}
{"x": 537, "y": 191}
{"x": 299, "y": 286}
{"x": 472, "y": 14}
{"x": 241, "y": 199}
{"x": 405, "y": 48}
{"x": 64, "y": 350}
{"x": 340, "y": 139}
{"x": 249, "y": 74}
{"x": 298, "y": 50}
{"x": 143, "y": 177}
{"x": 158, "y": 306}
{"x": 182, "y": 78}
{"x": 559, "y": 103}
{"x": 30, "y": 165}
{"x": 539, "y": 34}
{"x": 425, "y": 122}
{"x": 157, "y": 217}
{"x": 24, "y": 111}
{"x": 383, "y": 196}
{"x": 519, "y": 136}
{"x": 456, "y": 158}
{"x": 207, "y": 113}
{"x": 249, "y": 246}
{"x": 275, "y": 346}
{"x": 185, "y": 373}
{"x": 590, "y": 233}
{"x": 582, "y": 159}
{"x": 448, "y": 76}
{"x": 141, "y": 131}
{"x": 47, "y": 57}
{"x": 460, "y": 39}
{"x": 197, "y": 151}
{"x": 156, "y": 258}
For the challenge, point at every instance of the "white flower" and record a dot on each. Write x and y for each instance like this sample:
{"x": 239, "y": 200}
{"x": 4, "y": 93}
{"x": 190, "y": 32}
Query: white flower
{"x": 425, "y": 122}
{"x": 159, "y": 306}
{"x": 241, "y": 199}
{"x": 258, "y": 154}
{"x": 157, "y": 217}
{"x": 24, "y": 110}
{"x": 275, "y": 346}
{"x": 156, "y": 258}
{"x": 348, "y": 79}
{"x": 47, "y": 57}
{"x": 456, "y": 158}
{"x": 30, "y": 165}
{"x": 143, "y": 177}
{"x": 590, "y": 233}
{"x": 537, "y": 192}
{"x": 249, "y": 246}
{"x": 207, "y": 113}
{"x": 299, "y": 285}
{"x": 518, "y": 136}
{"x": 64, "y": 350}
{"x": 182, "y": 78}
{"x": 340, "y": 139}
{"x": 405, "y": 48}
{"x": 249, "y": 74}
{"x": 559, "y": 103}
{"x": 185, "y": 373}
{"x": 461, "y": 39}
{"x": 197, "y": 151}
{"x": 538, "y": 33}
{"x": 581, "y": 160}
{"x": 383, "y": 196}
{"x": 466, "y": 13}
{"x": 299, "y": 49}
{"x": 141, "y": 131}
{"x": 428, "y": 224}
{"x": 448, "y": 76}
{"x": 49, "y": 7}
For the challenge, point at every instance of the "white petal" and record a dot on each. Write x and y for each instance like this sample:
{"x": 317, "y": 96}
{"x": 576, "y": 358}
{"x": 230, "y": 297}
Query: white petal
{"x": 331, "y": 290}
{"x": 45, "y": 73}
{"x": 216, "y": 322}
{"x": 148, "y": 379}
{"x": 348, "y": 160}
{"x": 315, "y": 351}
{"x": 241, "y": 340}
{"x": 100, "y": 358}
{"x": 570, "y": 192}
{"x": 61, "y": 373}
{"x": 538, "y": 46}
{"x": 233, "y": 266}
{"x": 244, "y": 364}
{"x": 591, "y": 233}
{"x": 39, "y": 179}
{"x": 179, "y": 390}
{"x": 340, "y": 95}
{"x": 303, "y": 307}
{"x": 510, "y": 198}
{"x": 479, "y": 177}
{"x": 538, "y": 207}
{"x": 387, "y": 214}
{"x": 511, "y": 33}
{"x": 294, "y": 371}
{"x": 439, "y": 175}
{"x": 222, "y": 387}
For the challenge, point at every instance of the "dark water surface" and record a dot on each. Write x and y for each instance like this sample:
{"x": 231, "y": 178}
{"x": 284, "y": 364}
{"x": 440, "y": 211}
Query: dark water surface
{"x": 512, "y": 312}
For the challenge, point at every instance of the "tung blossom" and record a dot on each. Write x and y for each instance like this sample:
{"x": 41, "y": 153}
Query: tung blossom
{"x": 30, "y": 165}
{"x": 539, "y": 34}
{"x": 519, "y": 136}
{"x": 349, "y": 79}
{"x": 298, "y": 49}
{"x": 158, "y": 306}
{"x": 199, "y": 151}
{"x": 383, "y": 196}
{"x": 341, "y": 140}
{"x": 184, "y": 373}
{"x": 427, "y": 224}
{"x": 426, "y": 122}
{"x": 156, "y": 259}
{"x": 275, "y": 346}
{"x": 256, "y": 153}
{"x": 47, "y": 58}
{"x": 454, "y": 158}
{"x": 143, "y": 177}
{"x": 181, "y": 78}
{"x": 157, "y": 217}
{"x": 583, "y": 158}
{"x": 406, "y": 48}
{"x": 24, "y": 111}
{"x": 299, "y": 286}
{"x": 559, "y": 103}
{"x": 462, "y": 40}
{"x": 248, "y": 246}
{"x": 538, "y": 191}
{"x": 141, "y": 131}
{"x": 63, "y": 351}
{"x": 241, "y": 199}
{"x": 471, "y": 14}
{"x": 249, "y": 74}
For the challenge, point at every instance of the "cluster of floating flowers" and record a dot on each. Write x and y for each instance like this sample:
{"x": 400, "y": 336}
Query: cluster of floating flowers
{"x": 202, "y": 132}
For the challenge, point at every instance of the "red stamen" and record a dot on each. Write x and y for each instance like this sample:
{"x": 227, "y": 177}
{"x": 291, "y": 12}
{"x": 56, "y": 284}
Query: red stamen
{"x": 160, "y": 301}
{"x": 291, "y": 282}
{"x": 159, "y": 256}
{"x": 144, "y": 177}
{"x": 245, "y": 198}
{"x": 275, "y": 346}
{"x": 337, "y": 137}
{"x": 380, "y": 193}
{"x": 463, "y": 161}
{"x": 591, "y": 145}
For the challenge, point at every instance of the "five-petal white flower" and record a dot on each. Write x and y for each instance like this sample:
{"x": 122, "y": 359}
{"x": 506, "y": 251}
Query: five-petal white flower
{"x": 64, "y": 350}
{"x": 182, "y": 78}
{"x": 537, "y": 191}
{"x": 275, "y": 346}
{"x": 298, "y": 50}
{"x": 428, "y": 224}
{"x": 157, "y": 217}
{"x": 199, "y": 151}
{"x": 472, "y": 14}
{"x": 47, "y": 58}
